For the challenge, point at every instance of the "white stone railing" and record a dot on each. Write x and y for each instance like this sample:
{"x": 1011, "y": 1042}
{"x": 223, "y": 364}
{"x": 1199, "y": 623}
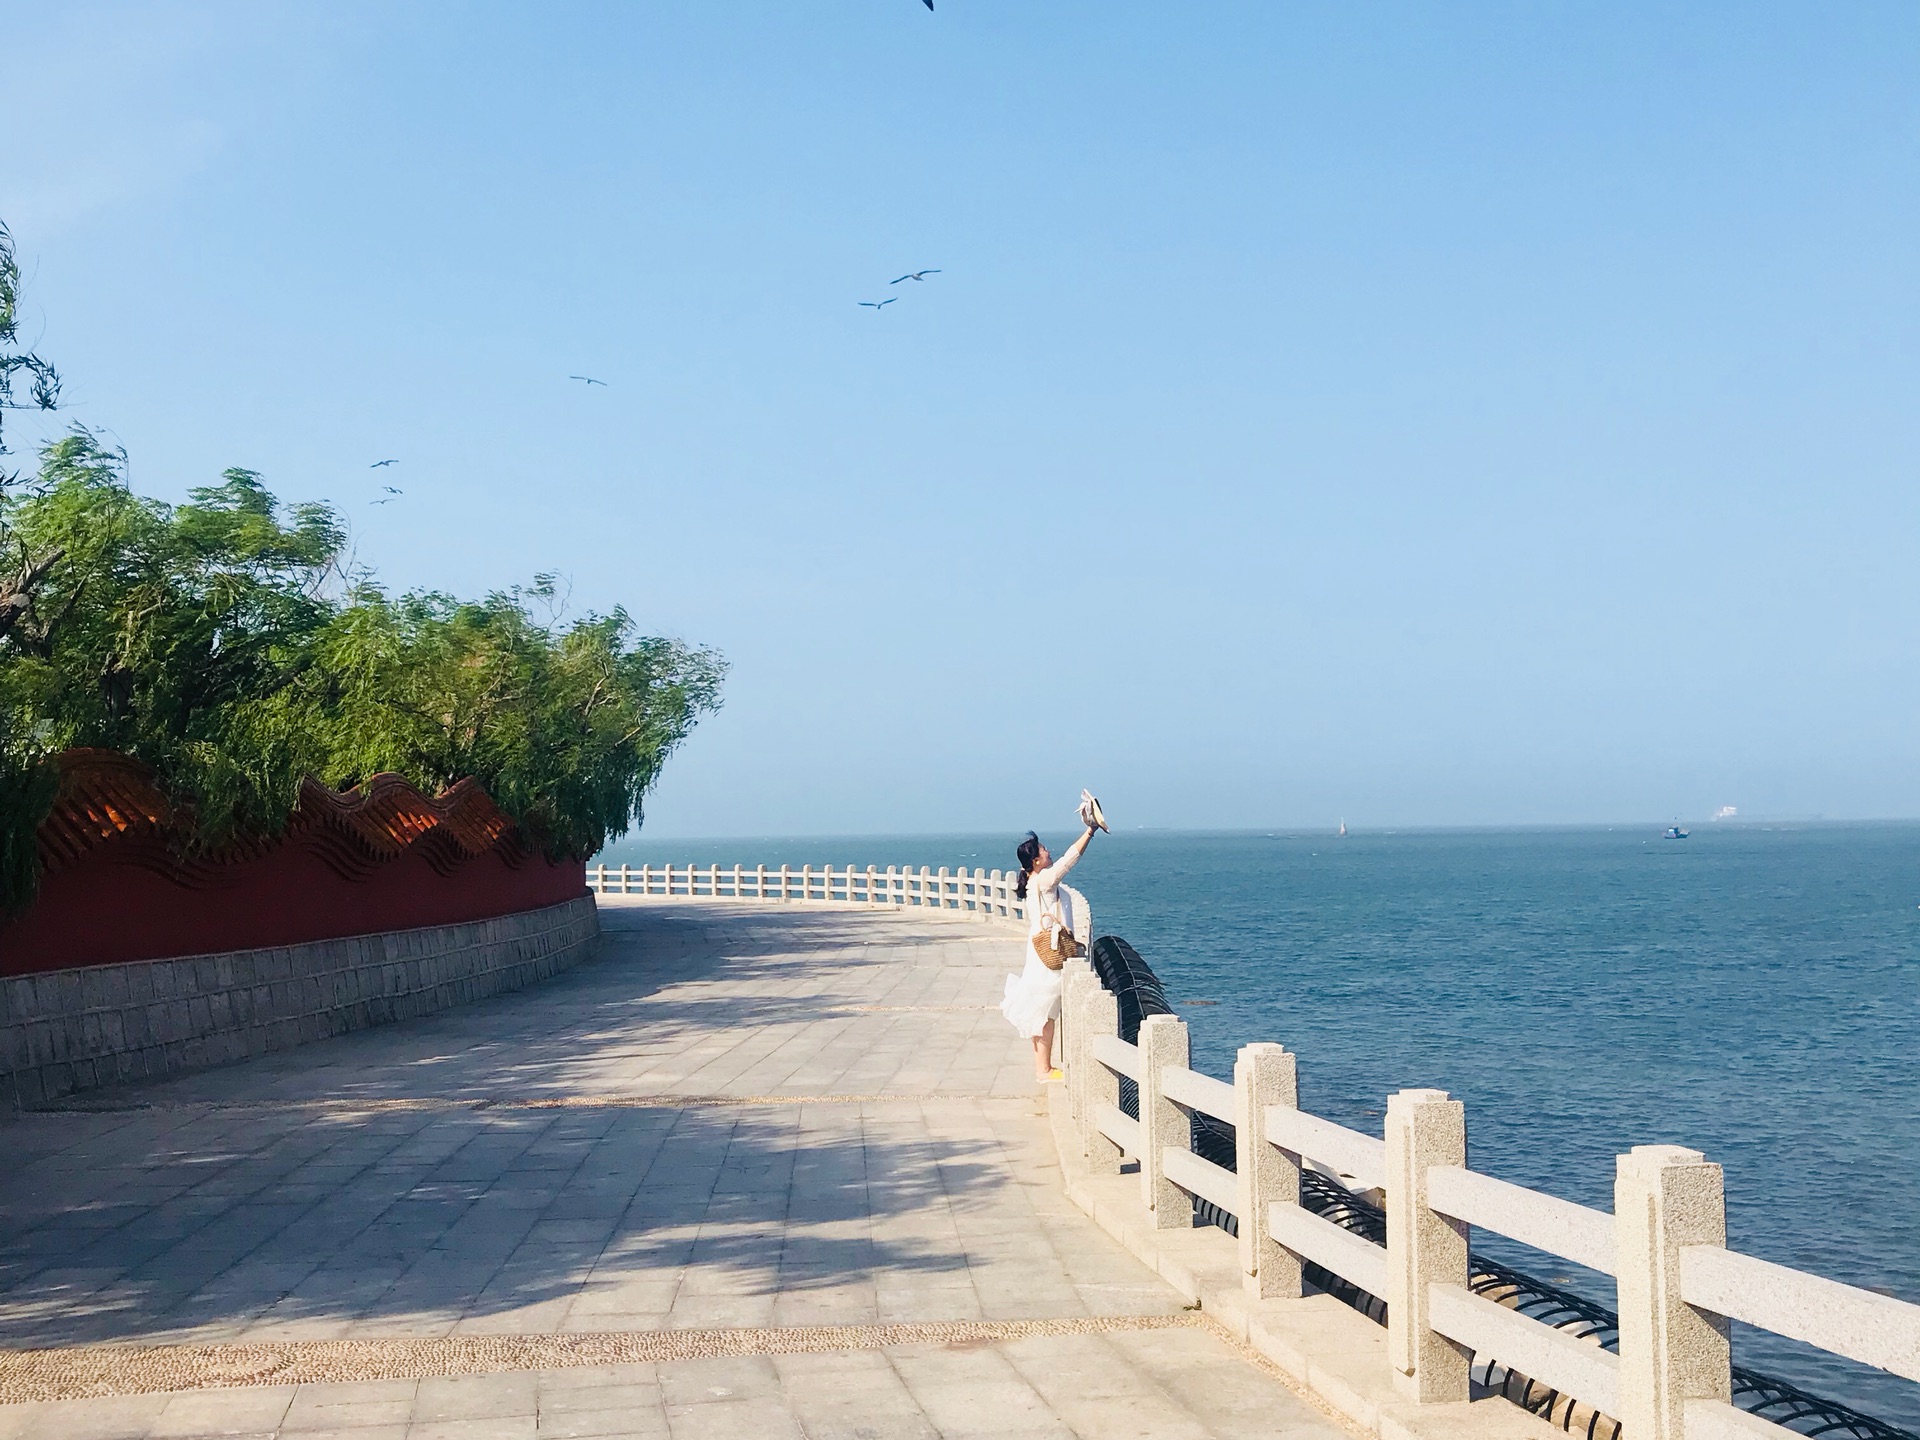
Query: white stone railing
{"x": 986, "y": 893}
{"x": 1665, "y": 1242}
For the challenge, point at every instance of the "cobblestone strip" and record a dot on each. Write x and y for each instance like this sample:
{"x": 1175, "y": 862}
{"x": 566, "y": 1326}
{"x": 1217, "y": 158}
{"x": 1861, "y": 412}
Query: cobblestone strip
{"x": 88, "y": 1371}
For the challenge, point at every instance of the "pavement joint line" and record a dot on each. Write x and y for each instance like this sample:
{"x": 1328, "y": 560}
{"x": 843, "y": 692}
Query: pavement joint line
{"x": 536, "y": 1102}
{"x": 94, "y": 1371}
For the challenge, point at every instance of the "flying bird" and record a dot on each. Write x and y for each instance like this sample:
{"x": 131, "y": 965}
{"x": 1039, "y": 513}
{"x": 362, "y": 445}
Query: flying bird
{"x": 387, "y": 501}
{"x": 879, "y": 304}
{"x": 392, "y": 490}
{"x": 914, "y": 275}
{"x": 928, "y": 3}
{"x": 378, "y": 463}
{"x": 588, "y": 379}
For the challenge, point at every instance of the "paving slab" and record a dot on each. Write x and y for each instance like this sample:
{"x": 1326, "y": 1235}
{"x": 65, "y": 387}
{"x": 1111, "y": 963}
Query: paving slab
{"x": 754, "y": 1170}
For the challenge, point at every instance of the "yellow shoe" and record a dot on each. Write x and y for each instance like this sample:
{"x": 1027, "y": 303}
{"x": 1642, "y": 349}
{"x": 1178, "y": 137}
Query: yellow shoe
{"x": 1053, "y": 1075}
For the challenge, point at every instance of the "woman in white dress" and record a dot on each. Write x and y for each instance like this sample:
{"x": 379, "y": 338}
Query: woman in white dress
{"x": 1032, "y": 1001}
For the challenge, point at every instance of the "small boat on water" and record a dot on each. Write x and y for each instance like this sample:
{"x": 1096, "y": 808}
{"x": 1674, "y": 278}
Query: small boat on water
{"x": 1341, "y": 833}
{"x": 1674, "y": 832}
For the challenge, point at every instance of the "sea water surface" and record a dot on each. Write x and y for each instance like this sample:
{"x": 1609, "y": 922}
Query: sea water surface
{"x": 1752, "y": 992}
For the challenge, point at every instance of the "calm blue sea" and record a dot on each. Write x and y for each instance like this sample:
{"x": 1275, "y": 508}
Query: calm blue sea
{"x": 1750, "y": 991}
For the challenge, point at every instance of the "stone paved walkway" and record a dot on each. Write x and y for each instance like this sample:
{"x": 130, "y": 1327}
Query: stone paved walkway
{"x": 754, "y": 1171}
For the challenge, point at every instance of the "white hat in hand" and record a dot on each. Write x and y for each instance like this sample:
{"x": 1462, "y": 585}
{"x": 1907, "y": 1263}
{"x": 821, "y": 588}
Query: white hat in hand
{"x": 1090, "y": 815}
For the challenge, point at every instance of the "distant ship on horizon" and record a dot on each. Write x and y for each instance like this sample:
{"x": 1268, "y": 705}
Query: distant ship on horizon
{"x": 1341, "y": 833}
{"x": 1674, "y": 832}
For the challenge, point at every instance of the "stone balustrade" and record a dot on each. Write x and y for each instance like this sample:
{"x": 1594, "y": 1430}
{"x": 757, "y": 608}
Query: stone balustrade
{"x": 986, "y": 893}
{"x": 1679, "y": 1286}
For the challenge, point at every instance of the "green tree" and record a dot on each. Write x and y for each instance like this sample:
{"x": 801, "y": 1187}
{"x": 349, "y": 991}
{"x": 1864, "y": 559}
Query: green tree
{"x": 170, "y": 633}
{"x": 568, "y": 728}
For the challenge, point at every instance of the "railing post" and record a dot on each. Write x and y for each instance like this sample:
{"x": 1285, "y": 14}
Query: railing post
{"x": 1665, "y": 1198}
{"x": 1424, "y": 1128}
{"x": 1073, "y": 1034}
{"x": 1263, "y": 1075}
{"x": 1163, "y": 1042}
{"x": 1101, "y": 1010}
{"x": 1073, "y": 1040}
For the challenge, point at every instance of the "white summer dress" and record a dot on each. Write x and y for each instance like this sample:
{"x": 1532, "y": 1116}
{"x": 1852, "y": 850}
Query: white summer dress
{"x": 1033, "y": 996}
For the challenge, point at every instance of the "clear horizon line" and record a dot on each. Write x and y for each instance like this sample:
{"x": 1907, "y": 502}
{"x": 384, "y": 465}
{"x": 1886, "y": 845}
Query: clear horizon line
{"x": 1734, "y": 823}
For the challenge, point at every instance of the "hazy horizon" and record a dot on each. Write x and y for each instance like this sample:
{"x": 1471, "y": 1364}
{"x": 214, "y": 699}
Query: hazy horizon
{"x": 1653, "y": 829}
{"x": 1427, "y": 416}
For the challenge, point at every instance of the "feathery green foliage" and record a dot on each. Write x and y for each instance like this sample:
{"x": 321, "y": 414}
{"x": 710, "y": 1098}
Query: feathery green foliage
{"x": 218, "y": 642}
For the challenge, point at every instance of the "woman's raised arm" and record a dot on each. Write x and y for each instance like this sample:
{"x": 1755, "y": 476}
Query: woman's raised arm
{"x": 1057, "y": 871}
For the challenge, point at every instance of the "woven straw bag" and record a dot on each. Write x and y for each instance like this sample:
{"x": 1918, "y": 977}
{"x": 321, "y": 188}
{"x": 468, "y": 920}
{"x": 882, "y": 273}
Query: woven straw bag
{"x": 1055, "y": 947}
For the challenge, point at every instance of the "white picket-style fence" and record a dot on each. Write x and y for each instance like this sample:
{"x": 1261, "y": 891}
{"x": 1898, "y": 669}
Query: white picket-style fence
{"x": 1665, "y": 1242}
{"x": 986, "y": 893}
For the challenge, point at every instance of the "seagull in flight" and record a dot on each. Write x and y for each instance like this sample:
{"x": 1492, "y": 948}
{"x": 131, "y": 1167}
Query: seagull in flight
{"x": 387, "y": 501}
{"x": 378, "y": 463}
{"x": 392, "y": 490}
{"x": 588, "y": 379}
{"x": 878, "y": 305}
{"x": 914, "y": 275}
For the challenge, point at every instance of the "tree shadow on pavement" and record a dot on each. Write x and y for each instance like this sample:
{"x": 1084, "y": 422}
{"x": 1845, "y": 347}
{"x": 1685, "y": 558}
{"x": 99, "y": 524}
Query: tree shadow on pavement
{"x": 226, "y": 1204}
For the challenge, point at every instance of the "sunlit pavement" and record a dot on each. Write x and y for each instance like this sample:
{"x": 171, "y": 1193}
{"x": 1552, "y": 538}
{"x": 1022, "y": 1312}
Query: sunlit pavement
{"x": 754, "y": 1171}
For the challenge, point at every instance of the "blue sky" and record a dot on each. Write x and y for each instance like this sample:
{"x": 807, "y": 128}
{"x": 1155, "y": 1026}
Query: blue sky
{"x": 1422, "y": 414}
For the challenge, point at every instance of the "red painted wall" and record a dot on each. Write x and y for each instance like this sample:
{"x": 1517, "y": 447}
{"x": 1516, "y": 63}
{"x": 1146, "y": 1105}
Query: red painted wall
{"x": 109, "y": 907}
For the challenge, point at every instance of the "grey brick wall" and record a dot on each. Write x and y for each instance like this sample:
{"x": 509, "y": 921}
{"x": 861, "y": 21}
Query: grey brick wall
{"x": 70, "y": 1030}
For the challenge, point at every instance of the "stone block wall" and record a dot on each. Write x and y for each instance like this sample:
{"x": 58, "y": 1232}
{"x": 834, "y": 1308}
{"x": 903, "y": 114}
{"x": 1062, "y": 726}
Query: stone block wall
{"x": 64, "y": 1031}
